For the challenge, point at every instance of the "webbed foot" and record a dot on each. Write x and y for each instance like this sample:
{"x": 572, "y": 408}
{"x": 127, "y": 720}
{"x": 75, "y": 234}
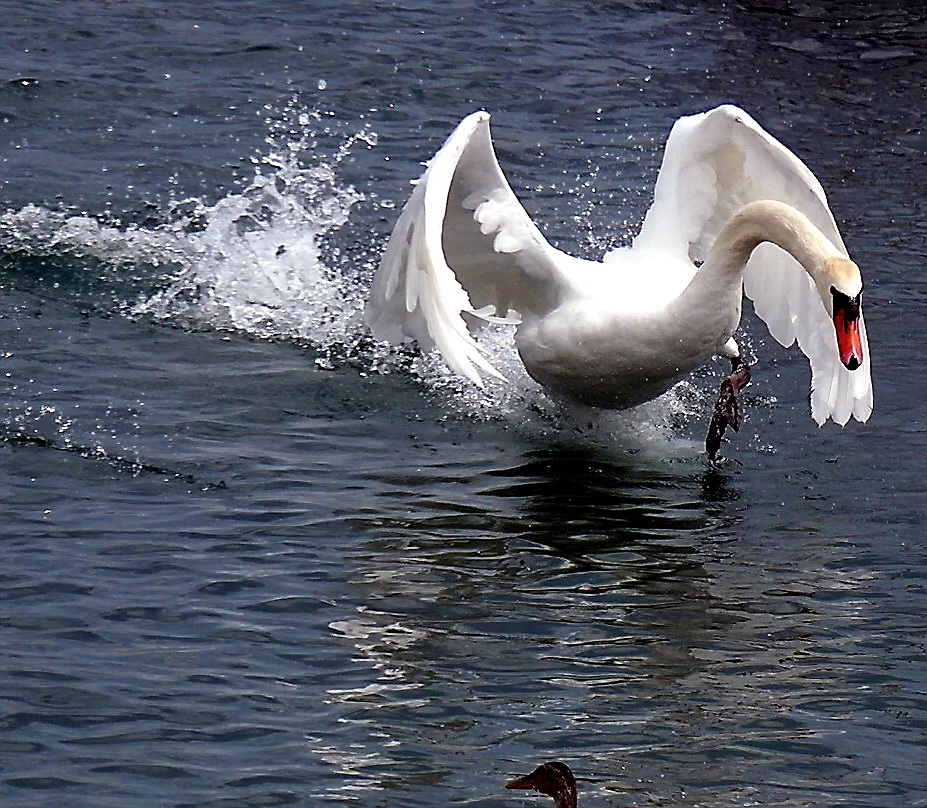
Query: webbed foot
{"x": 729, "y": 409}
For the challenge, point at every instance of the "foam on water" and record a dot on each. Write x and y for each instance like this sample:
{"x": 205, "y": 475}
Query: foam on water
{"x": 38, "y": 230}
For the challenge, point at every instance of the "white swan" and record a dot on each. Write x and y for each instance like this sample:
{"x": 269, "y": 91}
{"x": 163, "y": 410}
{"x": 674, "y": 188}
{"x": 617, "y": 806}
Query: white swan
{"x": 622, "y": 331}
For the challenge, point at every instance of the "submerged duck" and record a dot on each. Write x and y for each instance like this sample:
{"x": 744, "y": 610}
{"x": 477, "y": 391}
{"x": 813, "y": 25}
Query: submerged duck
{"x": 734, "y": 212}
{"x": 554, "y": 779}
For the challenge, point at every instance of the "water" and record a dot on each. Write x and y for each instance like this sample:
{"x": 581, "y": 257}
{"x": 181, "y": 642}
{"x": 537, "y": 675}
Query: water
{"x": 253, "y": 558}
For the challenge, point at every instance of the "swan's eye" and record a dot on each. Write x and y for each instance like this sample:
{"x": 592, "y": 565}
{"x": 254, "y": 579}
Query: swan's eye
{"x": 846, "y": 305}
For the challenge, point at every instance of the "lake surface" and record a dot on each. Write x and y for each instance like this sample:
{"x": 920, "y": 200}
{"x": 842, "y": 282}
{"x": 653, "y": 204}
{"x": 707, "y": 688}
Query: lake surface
{"x": 253, "y": 558}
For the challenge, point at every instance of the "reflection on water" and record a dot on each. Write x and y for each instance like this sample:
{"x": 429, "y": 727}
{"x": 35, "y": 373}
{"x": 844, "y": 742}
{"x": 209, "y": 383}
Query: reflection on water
{"x": 526, "y": 622}
{"x": 581, "y": 608}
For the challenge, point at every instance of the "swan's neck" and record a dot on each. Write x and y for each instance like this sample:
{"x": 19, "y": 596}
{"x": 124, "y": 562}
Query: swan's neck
{"x": 785, "y": 227}
{"x": 711, "y": 304}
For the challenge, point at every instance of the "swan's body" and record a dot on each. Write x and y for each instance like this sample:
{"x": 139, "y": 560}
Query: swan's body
{"x": 622, "y": 331}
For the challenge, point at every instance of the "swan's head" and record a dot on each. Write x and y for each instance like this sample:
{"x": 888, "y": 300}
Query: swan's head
{"x": 554, "y": 779}
{"x": 845, "y": 298}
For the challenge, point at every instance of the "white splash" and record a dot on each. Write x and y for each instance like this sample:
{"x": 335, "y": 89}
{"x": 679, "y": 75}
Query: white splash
{"x": 255, "y": 260}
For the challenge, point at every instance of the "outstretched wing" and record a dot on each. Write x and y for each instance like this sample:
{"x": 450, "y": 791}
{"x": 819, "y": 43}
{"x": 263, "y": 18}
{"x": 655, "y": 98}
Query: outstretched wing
{"x": 463, "y": 244}
{"x": 713, "y": 164}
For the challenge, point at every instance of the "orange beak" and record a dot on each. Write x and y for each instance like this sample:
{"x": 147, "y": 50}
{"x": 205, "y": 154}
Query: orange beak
{"x": 849, "y": 344}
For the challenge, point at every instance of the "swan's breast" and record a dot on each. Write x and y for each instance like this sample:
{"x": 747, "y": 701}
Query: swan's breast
{"x": 607, "y": 360}
{"x": 615, "y": 343}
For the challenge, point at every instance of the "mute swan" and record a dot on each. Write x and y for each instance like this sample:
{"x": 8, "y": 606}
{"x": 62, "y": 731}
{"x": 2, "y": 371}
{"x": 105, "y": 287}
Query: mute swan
{"x": 734, "y": 211}
{"x": 554, "y": 779}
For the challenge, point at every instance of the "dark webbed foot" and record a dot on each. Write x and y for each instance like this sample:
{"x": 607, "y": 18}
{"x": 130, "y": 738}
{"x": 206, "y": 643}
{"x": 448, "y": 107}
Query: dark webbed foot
{"x": 729, "y": 410}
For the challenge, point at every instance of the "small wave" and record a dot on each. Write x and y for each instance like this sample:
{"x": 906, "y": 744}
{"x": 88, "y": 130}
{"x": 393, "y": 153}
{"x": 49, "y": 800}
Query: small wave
{"x": 37, "y": 231}
{"x": 21, "y": 436}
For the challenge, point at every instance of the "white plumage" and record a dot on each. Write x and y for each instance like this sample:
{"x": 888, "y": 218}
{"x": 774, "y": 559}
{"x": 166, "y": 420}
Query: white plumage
{"x": 621, "y": 331}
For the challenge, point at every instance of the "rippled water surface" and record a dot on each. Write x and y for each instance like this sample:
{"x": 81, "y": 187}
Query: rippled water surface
{"x": 253, "y": 558}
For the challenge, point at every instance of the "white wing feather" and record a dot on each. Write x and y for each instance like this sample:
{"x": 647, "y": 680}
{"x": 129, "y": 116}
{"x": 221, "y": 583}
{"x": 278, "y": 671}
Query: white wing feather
{"x": 713, "y": 164}
{"x": 463, "y": 244}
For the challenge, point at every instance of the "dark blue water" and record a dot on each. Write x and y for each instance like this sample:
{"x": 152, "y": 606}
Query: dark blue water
{"x": 252, "y": 558}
